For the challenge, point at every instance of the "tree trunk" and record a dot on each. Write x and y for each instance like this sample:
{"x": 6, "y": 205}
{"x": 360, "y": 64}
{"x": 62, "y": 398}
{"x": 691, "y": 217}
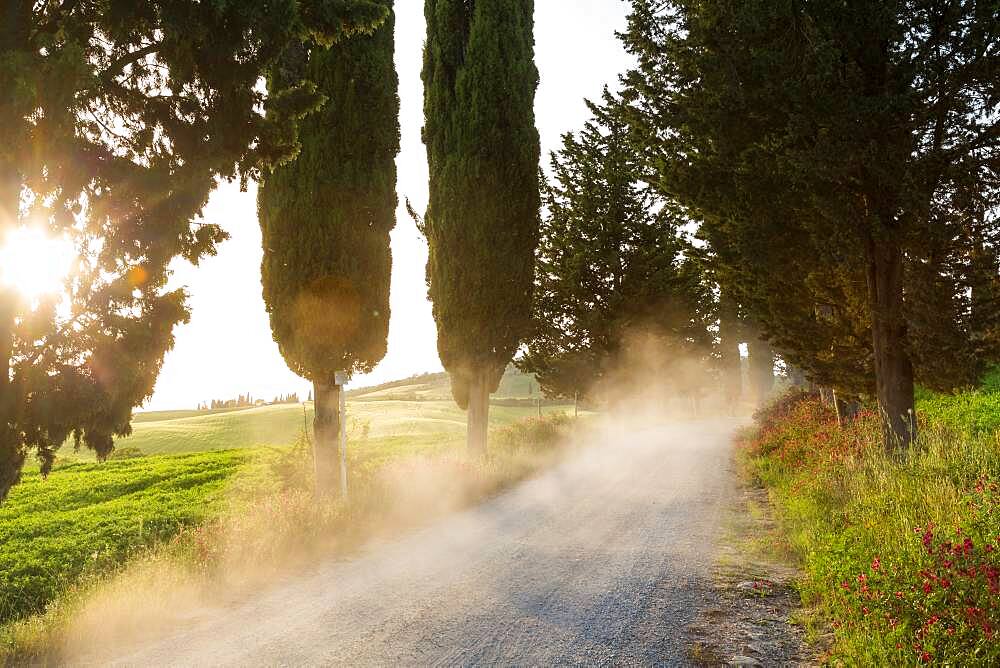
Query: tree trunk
{"x": 796, "y": 376}
{"x": 893, "y": 368}
{"x": 761, "y": 363}
{"x": 12, "y": 454}
{"x": 846, "y": 410}
{"x": 478, "y": 416}
{"x": 326, "y": 438}
{"x": 729, "y": 348}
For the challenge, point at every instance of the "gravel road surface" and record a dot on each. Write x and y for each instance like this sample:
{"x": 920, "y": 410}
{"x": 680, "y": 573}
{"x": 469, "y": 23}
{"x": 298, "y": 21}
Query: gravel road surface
{"x": 603, "y": 560}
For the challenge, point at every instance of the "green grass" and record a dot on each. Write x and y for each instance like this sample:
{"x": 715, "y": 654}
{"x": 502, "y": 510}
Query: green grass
{"x": 437, "y": 387}
{"x": 899, "y": 556}
{"x": 85, "y": 517}
{"x": 157, "y": 416}
{"x": 972, "y": 413}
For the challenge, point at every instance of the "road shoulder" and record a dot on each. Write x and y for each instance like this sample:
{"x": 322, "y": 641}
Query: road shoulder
{"x": 752, "y": 618}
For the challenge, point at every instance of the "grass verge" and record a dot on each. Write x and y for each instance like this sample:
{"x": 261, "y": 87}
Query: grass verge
{"x": 899, "y": 557}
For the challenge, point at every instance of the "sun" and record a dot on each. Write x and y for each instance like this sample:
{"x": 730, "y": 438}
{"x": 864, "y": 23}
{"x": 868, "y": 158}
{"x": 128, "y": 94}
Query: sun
{"x": 35, "y": 263}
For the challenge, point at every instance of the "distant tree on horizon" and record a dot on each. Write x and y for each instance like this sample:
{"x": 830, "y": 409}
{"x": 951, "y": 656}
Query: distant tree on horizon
{"x": 325, "y": 221}
{"x": 481, "y": 221}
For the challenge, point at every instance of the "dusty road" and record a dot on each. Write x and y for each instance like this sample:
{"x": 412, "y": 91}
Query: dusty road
{"x": 602, "y": 560}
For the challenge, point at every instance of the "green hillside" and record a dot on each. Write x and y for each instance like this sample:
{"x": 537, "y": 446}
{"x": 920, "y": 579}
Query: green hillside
{"x": 437, "y": 387}
{"x": 165, "y": 432}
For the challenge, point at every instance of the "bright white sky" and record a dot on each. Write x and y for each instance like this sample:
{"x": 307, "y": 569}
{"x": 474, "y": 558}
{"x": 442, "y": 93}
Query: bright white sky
{"x": 227, "y": 347}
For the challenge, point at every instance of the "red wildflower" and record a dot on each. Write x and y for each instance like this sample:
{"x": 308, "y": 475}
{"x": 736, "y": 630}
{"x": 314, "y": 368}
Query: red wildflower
{"x": 927, "y": 538}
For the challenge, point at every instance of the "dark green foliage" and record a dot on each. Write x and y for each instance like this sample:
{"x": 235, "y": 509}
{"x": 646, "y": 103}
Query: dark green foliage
{"x": 613, "y": 266}
{"x": 483, "y": 152}
{"x": 326, "y": 217}
{"x": 116, "y": 119}
{"x": 844, "y": 202}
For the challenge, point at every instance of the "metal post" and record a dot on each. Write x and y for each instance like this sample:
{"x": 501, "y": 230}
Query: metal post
{"x": 341, "y": 379}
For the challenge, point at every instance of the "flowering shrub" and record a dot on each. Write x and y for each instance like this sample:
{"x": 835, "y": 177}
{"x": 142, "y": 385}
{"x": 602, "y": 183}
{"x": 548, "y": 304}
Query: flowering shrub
{"x": 902, "y": 559}
{"x": 946, "y": 606}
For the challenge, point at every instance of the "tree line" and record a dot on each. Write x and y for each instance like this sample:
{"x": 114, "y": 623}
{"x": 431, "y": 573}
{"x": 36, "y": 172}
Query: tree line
{"x": 817, "y": 181}
{"x": 246, "y": 400}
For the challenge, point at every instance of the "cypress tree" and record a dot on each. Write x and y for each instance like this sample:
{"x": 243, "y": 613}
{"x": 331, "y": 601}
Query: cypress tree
{"x": 482, "y": 218}
{"x": 325, "y": 220}
{"x": 117, "y": 119}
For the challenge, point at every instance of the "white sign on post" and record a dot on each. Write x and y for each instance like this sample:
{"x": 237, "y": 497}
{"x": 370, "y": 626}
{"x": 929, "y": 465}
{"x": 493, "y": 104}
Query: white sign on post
{"x": 340, "y": 378}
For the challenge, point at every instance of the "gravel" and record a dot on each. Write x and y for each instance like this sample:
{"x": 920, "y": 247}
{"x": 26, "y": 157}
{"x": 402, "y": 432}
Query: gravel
{"x": 606, "y": 559}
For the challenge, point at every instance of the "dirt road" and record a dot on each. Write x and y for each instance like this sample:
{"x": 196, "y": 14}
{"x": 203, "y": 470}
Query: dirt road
{"x": 602, "y": 560}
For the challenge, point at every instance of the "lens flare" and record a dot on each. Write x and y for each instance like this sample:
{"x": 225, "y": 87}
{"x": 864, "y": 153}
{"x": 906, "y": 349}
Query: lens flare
{"x": 33, "y": 262}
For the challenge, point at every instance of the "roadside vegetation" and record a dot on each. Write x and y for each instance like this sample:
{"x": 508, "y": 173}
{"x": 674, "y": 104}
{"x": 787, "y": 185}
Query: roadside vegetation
{"x": 900, "y": 555}
{"x": 82, "y": 547}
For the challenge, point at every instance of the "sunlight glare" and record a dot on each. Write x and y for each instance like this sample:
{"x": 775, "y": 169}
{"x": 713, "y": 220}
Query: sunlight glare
{"x": 33, "y": 262}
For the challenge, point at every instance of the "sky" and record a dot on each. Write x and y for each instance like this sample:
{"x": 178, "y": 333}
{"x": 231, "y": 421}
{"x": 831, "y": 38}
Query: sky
{"x": 226, "y": 349}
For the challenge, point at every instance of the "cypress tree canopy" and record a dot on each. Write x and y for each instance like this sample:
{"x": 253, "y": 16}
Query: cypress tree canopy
{"x": 116, "y": 119}
{"x": 483, "y": 152}
{"x": 326, "y": 216}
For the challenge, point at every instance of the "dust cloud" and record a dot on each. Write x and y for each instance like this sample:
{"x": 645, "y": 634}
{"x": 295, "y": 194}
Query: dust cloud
{"x": 654, "y": 406}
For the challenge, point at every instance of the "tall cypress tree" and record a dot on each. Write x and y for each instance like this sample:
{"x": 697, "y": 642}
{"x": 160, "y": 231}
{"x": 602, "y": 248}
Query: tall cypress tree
{"x": 325, "y": 220}
{"x": 116, "y": 121}
{"x": 482, "y": 219}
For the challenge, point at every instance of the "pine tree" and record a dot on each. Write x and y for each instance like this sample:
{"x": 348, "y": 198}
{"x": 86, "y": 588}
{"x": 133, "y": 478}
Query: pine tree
{"x": 613, "y": 265}
{"x": 482, "y": 219}
{"x": 325, "y": 220}
{"x": 116, "y": 119}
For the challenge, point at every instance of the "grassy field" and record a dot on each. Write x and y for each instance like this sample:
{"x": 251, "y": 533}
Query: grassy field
{"x": 87, "y": 518}
{"x": 437, "y": 386}
{"x": 899, "y": 556}
{"x": 422, "y": 424}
